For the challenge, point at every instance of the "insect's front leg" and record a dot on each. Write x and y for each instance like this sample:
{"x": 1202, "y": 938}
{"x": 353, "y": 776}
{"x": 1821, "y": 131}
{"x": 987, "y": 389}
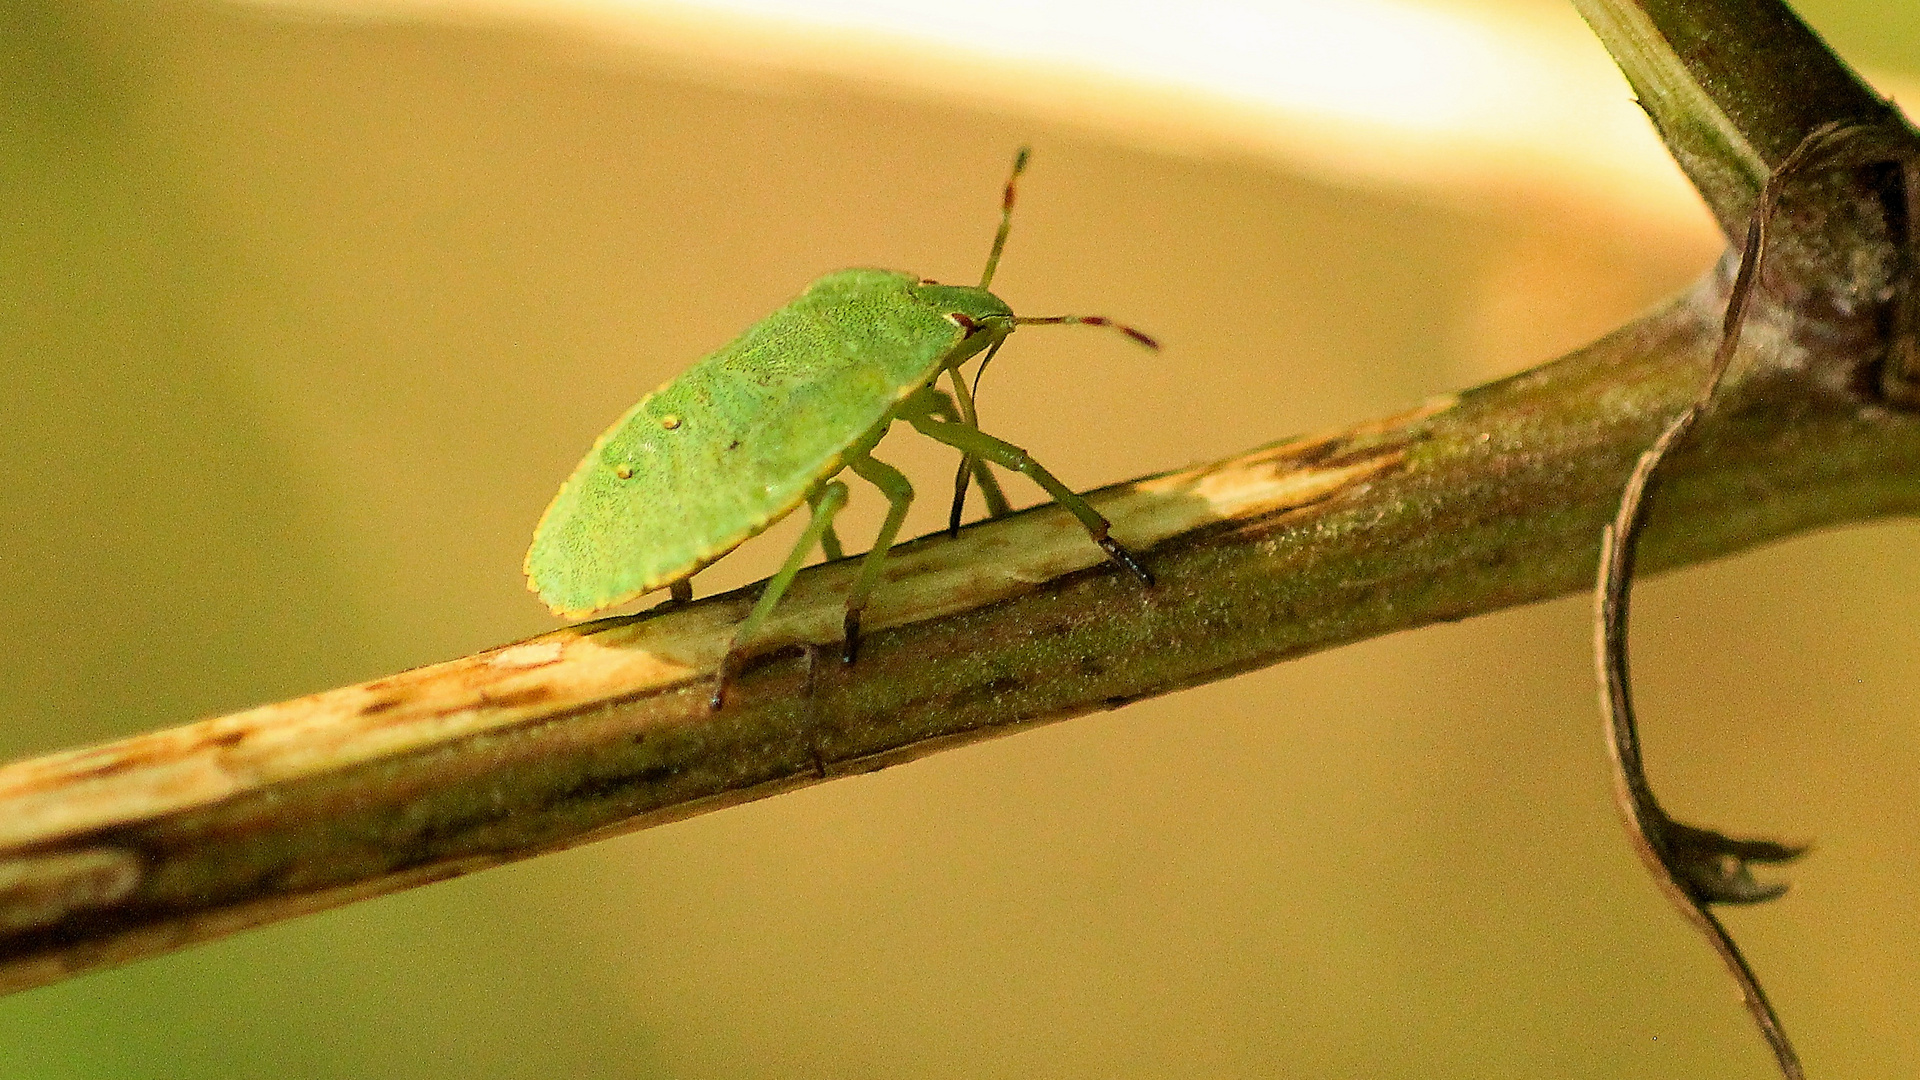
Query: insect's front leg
{"x": 973, "y": 441}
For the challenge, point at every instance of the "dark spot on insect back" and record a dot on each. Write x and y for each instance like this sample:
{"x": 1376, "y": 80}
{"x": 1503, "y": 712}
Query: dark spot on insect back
{"x": 734, "y": 445}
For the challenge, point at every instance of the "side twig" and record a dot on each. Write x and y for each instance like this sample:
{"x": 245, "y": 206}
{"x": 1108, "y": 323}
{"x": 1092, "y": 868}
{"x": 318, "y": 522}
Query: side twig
{"x": 1698, "y": 867}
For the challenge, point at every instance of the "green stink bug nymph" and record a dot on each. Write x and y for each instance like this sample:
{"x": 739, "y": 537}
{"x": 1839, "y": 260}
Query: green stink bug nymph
{"x": 742, "y": 438}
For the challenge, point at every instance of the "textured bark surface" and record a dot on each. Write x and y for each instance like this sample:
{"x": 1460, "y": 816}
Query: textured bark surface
{"x": 1467, "y": 504}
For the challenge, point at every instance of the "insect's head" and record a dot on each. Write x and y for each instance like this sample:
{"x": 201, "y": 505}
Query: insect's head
{"x": 975, "y": 310}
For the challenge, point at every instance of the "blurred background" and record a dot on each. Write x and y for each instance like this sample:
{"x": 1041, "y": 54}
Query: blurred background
{"x": 307, "y": 308}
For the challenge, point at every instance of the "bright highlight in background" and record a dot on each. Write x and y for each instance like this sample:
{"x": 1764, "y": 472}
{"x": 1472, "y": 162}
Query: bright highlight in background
{"x": 1362, "y": 59}
{"x": 1460, "y": 99}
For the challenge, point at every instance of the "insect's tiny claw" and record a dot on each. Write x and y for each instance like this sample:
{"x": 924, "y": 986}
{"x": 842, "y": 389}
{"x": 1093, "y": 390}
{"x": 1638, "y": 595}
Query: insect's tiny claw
{"x": 729, "y": 664}
{"x": 850, "y": 641}
{"x": 1125, "y": 559}
{"x": 681, "y": 592}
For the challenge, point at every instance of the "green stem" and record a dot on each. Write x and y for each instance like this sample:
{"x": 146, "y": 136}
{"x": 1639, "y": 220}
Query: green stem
{"x": 1732, "y": 86}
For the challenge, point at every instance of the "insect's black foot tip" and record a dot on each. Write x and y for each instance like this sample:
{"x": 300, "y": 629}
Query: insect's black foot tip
{"x": 850, "y": 641}
{"x": 1126, "y": 560}
{"x": 728, "y": 665}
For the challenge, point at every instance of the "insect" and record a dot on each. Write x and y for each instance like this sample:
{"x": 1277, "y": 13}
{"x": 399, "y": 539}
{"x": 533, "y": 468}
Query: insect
{"x": 748, "y": 434}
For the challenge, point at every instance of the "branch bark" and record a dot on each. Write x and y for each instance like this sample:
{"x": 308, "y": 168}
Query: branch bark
{"x": 1471, "y": 503}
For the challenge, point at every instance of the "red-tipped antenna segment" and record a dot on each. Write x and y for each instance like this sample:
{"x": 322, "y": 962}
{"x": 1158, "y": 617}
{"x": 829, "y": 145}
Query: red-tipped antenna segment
{"x": 1087, "y": 320}
{"x": 1006, "y": 216}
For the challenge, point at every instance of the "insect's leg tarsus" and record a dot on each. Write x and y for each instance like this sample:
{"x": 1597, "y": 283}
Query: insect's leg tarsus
{"x": 893, "y": 484}
{"x": 997, "y": 505}
{"x": 681, "y": 592}
{"x": 831, "y": 498}
{"x": 959, "y": 506}
{"x": 1008, "y": 456}
{"x": 728, "y": 665}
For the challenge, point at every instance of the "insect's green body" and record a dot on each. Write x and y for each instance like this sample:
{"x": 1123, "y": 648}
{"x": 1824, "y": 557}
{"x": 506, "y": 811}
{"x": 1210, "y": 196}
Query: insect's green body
{"x": 746, "y": 435}
{"x": 743, "y": 437}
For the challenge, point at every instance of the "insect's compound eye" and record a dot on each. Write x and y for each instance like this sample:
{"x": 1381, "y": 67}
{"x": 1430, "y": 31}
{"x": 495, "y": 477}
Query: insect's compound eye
{"x": 964, "y": 323}
{"x": 623, "y": 470}
{"x": 670, "y": 421}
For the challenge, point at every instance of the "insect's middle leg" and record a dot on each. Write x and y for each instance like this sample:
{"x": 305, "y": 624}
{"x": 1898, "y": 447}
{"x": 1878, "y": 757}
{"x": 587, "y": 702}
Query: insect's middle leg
{"x": 971, "y": 440}
{"x": 827, "y": 503}
{"x": 899, "y": 495}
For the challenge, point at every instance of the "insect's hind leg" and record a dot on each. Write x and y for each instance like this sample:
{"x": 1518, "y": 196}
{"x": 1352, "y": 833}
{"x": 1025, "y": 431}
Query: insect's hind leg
{"x": 893, "y": 484}
{"x": 971, "y": 440}
{"x": 831, "y": 498}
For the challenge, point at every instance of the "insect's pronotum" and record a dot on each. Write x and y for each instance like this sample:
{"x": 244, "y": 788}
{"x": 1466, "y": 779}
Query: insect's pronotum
{"x": 748, "y": 434}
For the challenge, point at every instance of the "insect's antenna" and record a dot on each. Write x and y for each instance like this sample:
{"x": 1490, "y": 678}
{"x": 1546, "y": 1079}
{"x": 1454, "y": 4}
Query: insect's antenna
{"x": 1006, "y": 216}
{"x": 1087, "y": 320}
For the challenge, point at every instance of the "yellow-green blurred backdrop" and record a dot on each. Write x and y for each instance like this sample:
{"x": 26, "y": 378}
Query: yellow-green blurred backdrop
{"x": 302, "y": 320}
